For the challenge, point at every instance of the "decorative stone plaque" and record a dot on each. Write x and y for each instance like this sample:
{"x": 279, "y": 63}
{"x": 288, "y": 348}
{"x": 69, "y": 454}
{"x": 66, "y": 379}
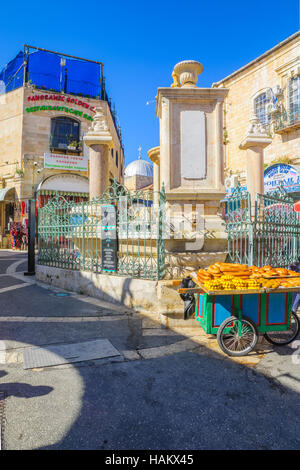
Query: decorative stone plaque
{"x": 193, "y": 144}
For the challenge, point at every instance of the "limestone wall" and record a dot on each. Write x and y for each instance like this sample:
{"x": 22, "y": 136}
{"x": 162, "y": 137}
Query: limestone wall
{"x": 25, "y": 137}
{"x": 271, "y": 70}
{"x": 36, "y": 133}
{"x": 136, "y": 182}
{"x": 11, "y": 117}
{"x": 155, "y": 297}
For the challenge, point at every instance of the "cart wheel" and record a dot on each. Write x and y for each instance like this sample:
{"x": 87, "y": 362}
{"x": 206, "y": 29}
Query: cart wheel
{"x": 233, "y": 343}
{"x": 280, "y": 338}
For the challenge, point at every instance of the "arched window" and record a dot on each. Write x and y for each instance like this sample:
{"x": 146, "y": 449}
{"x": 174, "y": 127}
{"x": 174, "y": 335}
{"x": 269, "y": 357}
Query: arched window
{"x": 294, "y": 95}
{"x": 260, "y": 108}
{"x": 65, "y": 132}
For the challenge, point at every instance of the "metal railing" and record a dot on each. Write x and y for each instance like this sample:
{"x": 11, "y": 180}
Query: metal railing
{"x": 270, "y": 236}
{"x": 70, "y": 234}
{"x": 287, "y": 119}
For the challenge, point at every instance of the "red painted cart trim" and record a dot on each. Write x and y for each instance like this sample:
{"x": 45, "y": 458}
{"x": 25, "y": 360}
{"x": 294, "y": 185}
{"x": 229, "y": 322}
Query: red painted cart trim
{"x": 285, "y": 312}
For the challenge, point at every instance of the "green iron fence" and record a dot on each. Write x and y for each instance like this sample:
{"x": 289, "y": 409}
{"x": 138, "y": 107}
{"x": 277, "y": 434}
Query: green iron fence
{"x": 70, "y": 234}
{"x": 270, "y": 234}
{"x": 239, "y": 227}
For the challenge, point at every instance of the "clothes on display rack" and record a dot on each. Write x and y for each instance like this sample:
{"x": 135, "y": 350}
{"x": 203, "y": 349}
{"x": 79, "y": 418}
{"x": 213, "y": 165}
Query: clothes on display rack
{"x": 19, "y": 235}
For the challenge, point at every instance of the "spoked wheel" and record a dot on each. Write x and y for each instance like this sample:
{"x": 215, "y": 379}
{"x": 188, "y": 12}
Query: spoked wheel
{"x": 280, "y": 338}
{"x": 237, "y": 337}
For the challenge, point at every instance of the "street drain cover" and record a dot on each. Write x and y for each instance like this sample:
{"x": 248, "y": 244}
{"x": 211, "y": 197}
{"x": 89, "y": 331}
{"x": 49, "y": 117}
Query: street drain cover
{"x": 68, "y": 353}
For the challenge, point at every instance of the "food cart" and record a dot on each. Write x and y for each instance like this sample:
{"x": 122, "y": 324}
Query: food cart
{"x": 237, "y": 317}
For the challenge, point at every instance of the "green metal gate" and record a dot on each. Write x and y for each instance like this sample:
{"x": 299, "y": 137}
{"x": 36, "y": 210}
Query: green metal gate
{"x": 69, "y": 234}
{"x": 270, "y": 234}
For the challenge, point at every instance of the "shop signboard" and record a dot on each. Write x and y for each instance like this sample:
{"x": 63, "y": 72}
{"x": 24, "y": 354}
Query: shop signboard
{"x": 109, "y": 240}
{"x": 66, "y": 162}
{"x": 288, "y": 174}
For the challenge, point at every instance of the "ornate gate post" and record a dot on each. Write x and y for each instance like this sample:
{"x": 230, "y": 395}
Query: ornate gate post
{"x": 255, "y": 140}
{"x": 154, "y": 155}
{"x": 99, "y": 140}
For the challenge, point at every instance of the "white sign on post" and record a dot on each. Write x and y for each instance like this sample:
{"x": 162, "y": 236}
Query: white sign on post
{"x": 66, "y": 162}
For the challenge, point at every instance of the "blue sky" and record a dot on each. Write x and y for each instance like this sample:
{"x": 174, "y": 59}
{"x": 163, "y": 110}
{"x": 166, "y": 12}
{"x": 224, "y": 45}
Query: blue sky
{"x": 140, "y": 42}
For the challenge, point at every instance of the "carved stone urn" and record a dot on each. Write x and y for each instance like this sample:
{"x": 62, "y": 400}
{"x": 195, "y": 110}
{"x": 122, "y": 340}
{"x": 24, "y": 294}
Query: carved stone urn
{"x": 98, "y": 132}
{"x": 188, "y": 71}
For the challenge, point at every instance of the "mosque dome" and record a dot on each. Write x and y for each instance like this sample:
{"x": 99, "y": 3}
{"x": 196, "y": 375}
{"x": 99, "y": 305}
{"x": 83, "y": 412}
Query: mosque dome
{"x": 139, "y": 167}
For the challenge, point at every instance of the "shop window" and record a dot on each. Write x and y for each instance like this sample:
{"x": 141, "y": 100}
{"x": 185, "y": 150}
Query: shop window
{"x": 260, "y": 108}
{"x": 294, "y": 95}
{"x": 65, "y": 133}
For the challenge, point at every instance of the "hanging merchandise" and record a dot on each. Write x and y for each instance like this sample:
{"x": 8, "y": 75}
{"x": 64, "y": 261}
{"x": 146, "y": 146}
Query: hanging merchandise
{"x": 23, "y": 208}
{"x": 25, "y": 235}
{"x": 17, "y": 235}
{"x": 17, "y": 209}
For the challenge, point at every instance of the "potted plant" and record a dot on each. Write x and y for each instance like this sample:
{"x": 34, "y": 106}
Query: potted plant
{"x": 19, "y": 172}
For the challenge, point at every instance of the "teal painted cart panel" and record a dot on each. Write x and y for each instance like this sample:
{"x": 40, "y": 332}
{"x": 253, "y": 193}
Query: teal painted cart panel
{"x": 270, "y": 312}
{"x": 222, "y": 308}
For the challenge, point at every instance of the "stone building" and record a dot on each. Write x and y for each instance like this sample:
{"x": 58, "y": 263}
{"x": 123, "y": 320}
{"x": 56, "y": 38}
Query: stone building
{"x": 44, "y": 114}
{"x": 267, "y": 88}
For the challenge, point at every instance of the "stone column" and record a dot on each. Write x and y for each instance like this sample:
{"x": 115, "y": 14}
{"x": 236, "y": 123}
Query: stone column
{"x": 254, "y": 142}
{"x": 98, "y": 173}
{"x": 99, "y": 140}
{"x": 154, "y": 155}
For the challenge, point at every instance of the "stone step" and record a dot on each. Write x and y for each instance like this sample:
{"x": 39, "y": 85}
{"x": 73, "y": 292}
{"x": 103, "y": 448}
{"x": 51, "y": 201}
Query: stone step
{"x": 175, "y": 320}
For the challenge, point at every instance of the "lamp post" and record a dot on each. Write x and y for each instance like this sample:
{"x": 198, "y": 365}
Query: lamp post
{"x": 32, "y": 227}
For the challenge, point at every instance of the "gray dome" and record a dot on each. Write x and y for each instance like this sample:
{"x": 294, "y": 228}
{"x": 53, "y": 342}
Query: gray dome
{"x": 139, "y": 168}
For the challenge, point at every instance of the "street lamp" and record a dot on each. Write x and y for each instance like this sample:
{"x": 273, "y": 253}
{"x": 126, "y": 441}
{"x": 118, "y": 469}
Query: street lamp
{"x": 32, "y": 226}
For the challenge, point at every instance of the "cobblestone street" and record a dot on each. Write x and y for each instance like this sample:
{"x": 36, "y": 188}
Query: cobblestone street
{"x": 161, "y": 390}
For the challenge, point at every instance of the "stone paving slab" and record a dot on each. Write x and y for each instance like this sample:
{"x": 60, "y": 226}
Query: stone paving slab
{"x": 7, "y": 281}
{"x": 68, "y": 353}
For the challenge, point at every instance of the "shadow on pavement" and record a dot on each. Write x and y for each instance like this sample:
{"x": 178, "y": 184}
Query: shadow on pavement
{"x": 23, "y": 390}
{"x": 184, "y": 401}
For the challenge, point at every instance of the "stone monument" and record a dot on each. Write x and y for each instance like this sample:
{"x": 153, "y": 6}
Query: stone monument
{"x": 191, "y": 166}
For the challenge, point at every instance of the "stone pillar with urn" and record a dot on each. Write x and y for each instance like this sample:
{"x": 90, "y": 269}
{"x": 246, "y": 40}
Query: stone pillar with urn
{"x": 154, "y": 155}
{"x": 192, "y": 168}
{"x": 254, "y": 142}
{"x": 99, "y": 140}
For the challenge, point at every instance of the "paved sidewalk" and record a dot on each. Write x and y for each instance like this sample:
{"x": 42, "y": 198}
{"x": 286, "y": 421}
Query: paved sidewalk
{"x": 166, "y": 390}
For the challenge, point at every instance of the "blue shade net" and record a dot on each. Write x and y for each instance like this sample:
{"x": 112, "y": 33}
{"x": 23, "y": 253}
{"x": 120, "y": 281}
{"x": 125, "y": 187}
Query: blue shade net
{"x": 45, "y": 72}
{"x": 12, "y": 75}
